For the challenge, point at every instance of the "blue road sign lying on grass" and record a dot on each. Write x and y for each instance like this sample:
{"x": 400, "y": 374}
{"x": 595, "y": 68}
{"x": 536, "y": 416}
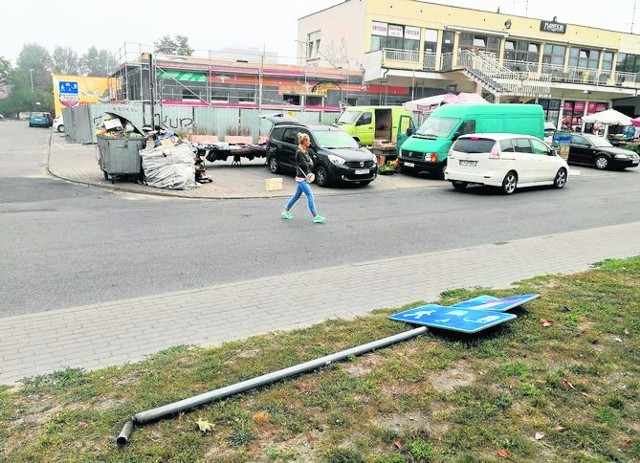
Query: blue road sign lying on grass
{"x": 468, "y": 316}
{"x": 465, "y": 320}
{"x": 494, "y": 303}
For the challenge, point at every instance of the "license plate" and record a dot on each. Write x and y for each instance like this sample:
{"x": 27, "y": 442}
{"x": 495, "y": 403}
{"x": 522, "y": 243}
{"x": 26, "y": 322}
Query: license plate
{"x": 362, "y": 171}
{"x": 409, "y": 164}
{"x": 468, "y": 163}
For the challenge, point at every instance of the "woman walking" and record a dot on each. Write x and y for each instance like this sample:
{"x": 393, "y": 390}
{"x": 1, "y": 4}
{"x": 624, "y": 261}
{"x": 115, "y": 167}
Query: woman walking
{"x": 304, "y": 167}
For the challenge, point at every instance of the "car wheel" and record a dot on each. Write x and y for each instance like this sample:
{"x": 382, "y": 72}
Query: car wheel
{"x": 61, "y": 128}
{"x": 510, "y": 183}
{"x": 322, "y": 176}
{"x": 459, "y": 186}
{"x": 561, "y": 178}
{"x": 602, "y": 162}
{"x": 274, "y": 166}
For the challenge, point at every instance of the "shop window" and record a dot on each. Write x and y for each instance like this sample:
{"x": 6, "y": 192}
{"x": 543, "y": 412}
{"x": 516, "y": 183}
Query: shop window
{"x": 291, "y": 99}
{"x": 430, "y": 40}
{"x": 572, "y": 113}
{"x": 246, "y": 96}
{"x": 519, "y": 50}
{"x": 447, "y": 42}
{"x": 607, "y": 61}
{"x": 313, "y": 100}
{"x": 476, "y": 42}
{"x": 628, "y": 63}
{"x": 553, "y": 54}
{"x": 584, "y": 58}
{"x": 394, "y": 36}
{"x": 191, "y": 94}
{"x": 221, "y": 96}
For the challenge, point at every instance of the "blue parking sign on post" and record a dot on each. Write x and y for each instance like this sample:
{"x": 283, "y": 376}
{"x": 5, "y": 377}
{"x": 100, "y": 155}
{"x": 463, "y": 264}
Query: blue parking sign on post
{"x": 464, "y": 320}
{"x": 69, "y": 93}
{"x": 68, "y": 88}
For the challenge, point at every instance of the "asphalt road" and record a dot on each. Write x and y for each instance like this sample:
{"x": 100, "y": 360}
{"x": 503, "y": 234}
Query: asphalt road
{"x": 64, "y": 245}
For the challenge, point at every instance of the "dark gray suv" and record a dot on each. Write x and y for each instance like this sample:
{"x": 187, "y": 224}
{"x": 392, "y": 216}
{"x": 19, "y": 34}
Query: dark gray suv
{"x": 337, "y": 157}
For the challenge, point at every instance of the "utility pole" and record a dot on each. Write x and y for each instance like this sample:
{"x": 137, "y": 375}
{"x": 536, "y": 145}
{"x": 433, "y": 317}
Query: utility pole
{"x": 152, "y": 76}
{"x": 260, "y": 71}
{"x": 633, "y": 16}
{"x": 31, "y": 75}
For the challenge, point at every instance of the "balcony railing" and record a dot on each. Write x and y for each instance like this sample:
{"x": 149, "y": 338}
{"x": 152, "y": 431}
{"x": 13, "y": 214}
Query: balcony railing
{"x": 509, "y": 70}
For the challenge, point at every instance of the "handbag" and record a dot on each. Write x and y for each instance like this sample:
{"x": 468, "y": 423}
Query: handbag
{"x": 310, "y": 177}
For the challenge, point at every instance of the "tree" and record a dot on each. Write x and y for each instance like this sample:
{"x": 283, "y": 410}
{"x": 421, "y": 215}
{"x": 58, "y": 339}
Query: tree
{"x": 96, "y": 63}
{"x": 35, "y": 64}
{"x": 176, "y": 46}
{"x": 22, "y": 98}
{"x": 5, "y": 72}
{"x": 65, "y": 61}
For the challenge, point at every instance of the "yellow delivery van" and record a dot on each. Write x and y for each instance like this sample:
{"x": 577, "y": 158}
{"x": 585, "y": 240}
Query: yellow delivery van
{"x": 367, "y": 124}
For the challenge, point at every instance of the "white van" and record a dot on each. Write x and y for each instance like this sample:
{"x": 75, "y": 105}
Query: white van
{"x": 504, "y": 160}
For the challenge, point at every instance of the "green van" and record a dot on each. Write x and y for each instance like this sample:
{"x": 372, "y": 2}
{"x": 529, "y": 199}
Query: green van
{"x": 427, "y": 149}
{"x": 366, "y": 124}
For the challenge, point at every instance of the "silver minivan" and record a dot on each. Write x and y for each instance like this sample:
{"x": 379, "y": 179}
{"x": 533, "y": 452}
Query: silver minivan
{"x": 503, "y": 160}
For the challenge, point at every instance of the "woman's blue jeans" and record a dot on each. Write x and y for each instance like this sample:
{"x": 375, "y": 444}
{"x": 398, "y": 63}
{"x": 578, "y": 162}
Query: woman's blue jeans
{"x": 303, "y": 187}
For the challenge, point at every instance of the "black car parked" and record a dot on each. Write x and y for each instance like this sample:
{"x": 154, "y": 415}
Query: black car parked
{"x": 337, "y": 157}
{"x": 592, "y": 150}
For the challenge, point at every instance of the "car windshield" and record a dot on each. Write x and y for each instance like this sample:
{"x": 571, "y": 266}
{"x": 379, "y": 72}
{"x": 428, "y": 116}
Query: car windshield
{"x": 348, "y": 117}
{"x": 436, "y": 127}
{"x": 37, "y": 115}
{"x": 334, "y": 139}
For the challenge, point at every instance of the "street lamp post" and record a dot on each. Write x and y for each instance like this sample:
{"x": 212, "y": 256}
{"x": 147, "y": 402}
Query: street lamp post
{"x": 31, "y": 75}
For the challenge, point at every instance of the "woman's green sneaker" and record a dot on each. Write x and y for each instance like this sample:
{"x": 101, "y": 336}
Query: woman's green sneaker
{"x": 319, "y": 219}
{"x": 287, "y": 215}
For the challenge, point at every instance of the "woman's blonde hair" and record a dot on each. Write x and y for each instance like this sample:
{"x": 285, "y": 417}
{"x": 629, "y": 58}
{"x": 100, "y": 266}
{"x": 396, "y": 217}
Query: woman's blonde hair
{"x": 303, "y": 136}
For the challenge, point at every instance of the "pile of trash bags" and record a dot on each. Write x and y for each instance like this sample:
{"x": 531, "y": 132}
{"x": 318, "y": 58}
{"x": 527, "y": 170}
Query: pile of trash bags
{"x": 169, "y": 166}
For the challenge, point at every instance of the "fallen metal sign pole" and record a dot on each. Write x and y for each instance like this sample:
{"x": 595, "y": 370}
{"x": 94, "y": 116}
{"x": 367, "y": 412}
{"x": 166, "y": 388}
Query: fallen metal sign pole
{"x": 221, "y": 393}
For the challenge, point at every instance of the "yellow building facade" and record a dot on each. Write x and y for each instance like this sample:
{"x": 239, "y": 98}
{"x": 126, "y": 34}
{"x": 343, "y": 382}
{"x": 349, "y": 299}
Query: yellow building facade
{"x": 571, "y": 70}
{"x": 69, "y": 91}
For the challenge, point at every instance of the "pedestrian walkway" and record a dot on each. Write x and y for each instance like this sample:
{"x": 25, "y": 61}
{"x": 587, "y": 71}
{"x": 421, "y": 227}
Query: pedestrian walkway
{"x": 116, "y": 332}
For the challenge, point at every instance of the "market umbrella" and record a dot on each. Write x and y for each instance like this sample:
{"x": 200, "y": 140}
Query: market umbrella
{"x": 607, "y": 118}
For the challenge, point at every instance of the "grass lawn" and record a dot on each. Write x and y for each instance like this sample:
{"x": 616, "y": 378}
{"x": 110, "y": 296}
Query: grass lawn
{"x": 561, "y": 383}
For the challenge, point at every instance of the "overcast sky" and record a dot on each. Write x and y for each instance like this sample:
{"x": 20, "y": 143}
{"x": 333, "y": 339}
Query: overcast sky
{"x": 214, "y": 25}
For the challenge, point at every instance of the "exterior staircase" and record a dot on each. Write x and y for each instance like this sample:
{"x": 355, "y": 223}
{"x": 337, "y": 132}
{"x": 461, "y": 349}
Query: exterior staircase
{"x": 485, "y": 69}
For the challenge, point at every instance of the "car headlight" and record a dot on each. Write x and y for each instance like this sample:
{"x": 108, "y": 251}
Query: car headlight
{"x": 622, "y": 156}
{"x": 337, "y": 160}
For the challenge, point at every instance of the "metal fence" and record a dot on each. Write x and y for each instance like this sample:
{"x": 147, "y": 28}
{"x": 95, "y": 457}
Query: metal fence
{"x": 81, "y": 122}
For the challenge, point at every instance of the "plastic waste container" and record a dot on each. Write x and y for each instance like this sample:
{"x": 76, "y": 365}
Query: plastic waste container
{"x": 560, "y": 141}
{"x": 119, "y": 156}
